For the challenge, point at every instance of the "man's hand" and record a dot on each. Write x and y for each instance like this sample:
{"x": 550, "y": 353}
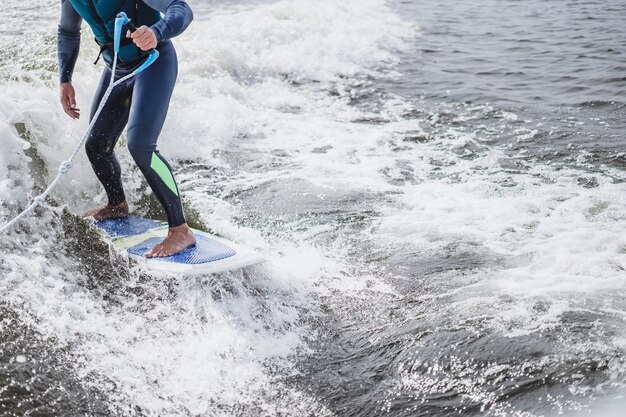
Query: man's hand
{"x": 68, "y": 100}
{"x": 143, "y": 37}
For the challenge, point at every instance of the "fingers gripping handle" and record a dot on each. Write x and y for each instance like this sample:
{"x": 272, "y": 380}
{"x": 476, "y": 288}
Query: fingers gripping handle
{"x": 121, "y": 21}
{"x": 131, "y": 27}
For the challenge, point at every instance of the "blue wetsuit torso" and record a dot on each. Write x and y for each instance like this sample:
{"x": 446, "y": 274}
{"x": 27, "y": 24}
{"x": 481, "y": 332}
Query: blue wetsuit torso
{"x": 141, "y": 103}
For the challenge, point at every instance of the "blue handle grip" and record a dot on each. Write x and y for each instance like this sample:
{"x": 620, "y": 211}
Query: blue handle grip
{"x": 120, "y": 21}
{"x": 154, "y": 54}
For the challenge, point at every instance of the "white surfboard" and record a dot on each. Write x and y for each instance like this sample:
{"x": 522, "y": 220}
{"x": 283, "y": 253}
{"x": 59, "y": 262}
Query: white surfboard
{"x": 211, "y": 254}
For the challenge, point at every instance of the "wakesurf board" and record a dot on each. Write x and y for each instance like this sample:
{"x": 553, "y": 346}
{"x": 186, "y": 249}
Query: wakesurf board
{"x": 211, "y": 254}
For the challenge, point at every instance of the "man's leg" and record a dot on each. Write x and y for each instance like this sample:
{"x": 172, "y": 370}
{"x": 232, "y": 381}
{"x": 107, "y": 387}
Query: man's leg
{"x": 151, "y": 97}
{"x": 101, "y": 144}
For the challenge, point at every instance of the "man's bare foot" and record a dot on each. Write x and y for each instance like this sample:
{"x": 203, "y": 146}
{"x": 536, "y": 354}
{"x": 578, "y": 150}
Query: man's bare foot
{"x": 178, "y": 239}
{"x": 109, "y": 212}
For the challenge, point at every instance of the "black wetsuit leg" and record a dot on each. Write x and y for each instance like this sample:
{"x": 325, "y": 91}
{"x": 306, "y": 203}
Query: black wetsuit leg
{"x": 106, "y": 131}
{"x": 142, "y": 102}
{"x": 151, "y": 99}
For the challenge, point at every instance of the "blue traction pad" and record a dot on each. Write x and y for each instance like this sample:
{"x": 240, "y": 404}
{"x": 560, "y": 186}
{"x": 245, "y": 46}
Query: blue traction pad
{"x": 206, "y": 250}
{"x": 128, "y": 226}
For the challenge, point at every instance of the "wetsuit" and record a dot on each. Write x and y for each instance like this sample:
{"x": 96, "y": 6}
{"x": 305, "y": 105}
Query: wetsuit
{"x": 141, "y": 102}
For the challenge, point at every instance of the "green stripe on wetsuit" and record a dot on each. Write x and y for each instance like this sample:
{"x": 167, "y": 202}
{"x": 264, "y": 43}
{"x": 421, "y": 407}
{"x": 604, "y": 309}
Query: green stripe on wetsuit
{"x": 163, "y": 172}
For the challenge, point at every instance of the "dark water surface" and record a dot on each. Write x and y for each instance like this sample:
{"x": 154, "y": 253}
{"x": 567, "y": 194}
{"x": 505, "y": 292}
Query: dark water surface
{"x": 559, "y": 66}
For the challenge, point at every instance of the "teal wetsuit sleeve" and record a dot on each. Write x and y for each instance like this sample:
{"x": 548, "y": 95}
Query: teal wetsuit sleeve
{"x": 68, "y": 40}
{"x": 177, "y": 15}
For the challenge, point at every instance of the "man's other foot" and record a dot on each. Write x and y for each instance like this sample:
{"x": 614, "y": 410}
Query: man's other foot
{"x": 178, "y": 239}
{"x": 109, "y": 212}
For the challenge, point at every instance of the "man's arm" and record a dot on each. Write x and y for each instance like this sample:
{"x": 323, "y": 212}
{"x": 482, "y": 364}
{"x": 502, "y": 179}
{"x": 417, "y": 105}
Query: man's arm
{"x": 177, "y": 16}
{"x": 68, "y": 46}
{"x": 68, "y": 40}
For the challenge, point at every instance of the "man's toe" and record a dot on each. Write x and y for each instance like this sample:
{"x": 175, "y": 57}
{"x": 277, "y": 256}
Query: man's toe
{"x": 152, "y": 252}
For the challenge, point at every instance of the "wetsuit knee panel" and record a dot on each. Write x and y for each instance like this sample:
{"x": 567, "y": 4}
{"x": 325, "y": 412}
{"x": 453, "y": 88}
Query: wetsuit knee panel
{"x": 98, "y": 147}
{"x": 141, "y": 153}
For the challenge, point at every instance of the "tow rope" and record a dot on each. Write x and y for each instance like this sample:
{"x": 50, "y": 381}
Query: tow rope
{"x": 120, "y": 21}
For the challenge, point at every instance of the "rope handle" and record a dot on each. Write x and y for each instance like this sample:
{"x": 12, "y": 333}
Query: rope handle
{"x": 121, "y": 21}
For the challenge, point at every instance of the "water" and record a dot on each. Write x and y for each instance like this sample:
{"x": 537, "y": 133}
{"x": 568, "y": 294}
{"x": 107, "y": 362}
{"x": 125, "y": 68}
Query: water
{"x": 438, "y": 188}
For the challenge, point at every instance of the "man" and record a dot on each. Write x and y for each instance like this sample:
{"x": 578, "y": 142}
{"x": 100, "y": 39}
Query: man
{"x": 141, "y": 102}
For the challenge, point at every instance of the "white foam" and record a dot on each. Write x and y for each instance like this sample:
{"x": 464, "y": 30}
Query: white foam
{"x": 559, "y": 243}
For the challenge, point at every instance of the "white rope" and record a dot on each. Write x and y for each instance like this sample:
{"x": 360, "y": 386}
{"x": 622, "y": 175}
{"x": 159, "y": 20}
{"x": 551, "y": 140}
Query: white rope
{"x": 66, "y": 166}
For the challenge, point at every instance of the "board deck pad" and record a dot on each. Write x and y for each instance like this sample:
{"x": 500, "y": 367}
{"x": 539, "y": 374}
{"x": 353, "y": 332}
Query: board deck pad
{"x": 211, "y": 254}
